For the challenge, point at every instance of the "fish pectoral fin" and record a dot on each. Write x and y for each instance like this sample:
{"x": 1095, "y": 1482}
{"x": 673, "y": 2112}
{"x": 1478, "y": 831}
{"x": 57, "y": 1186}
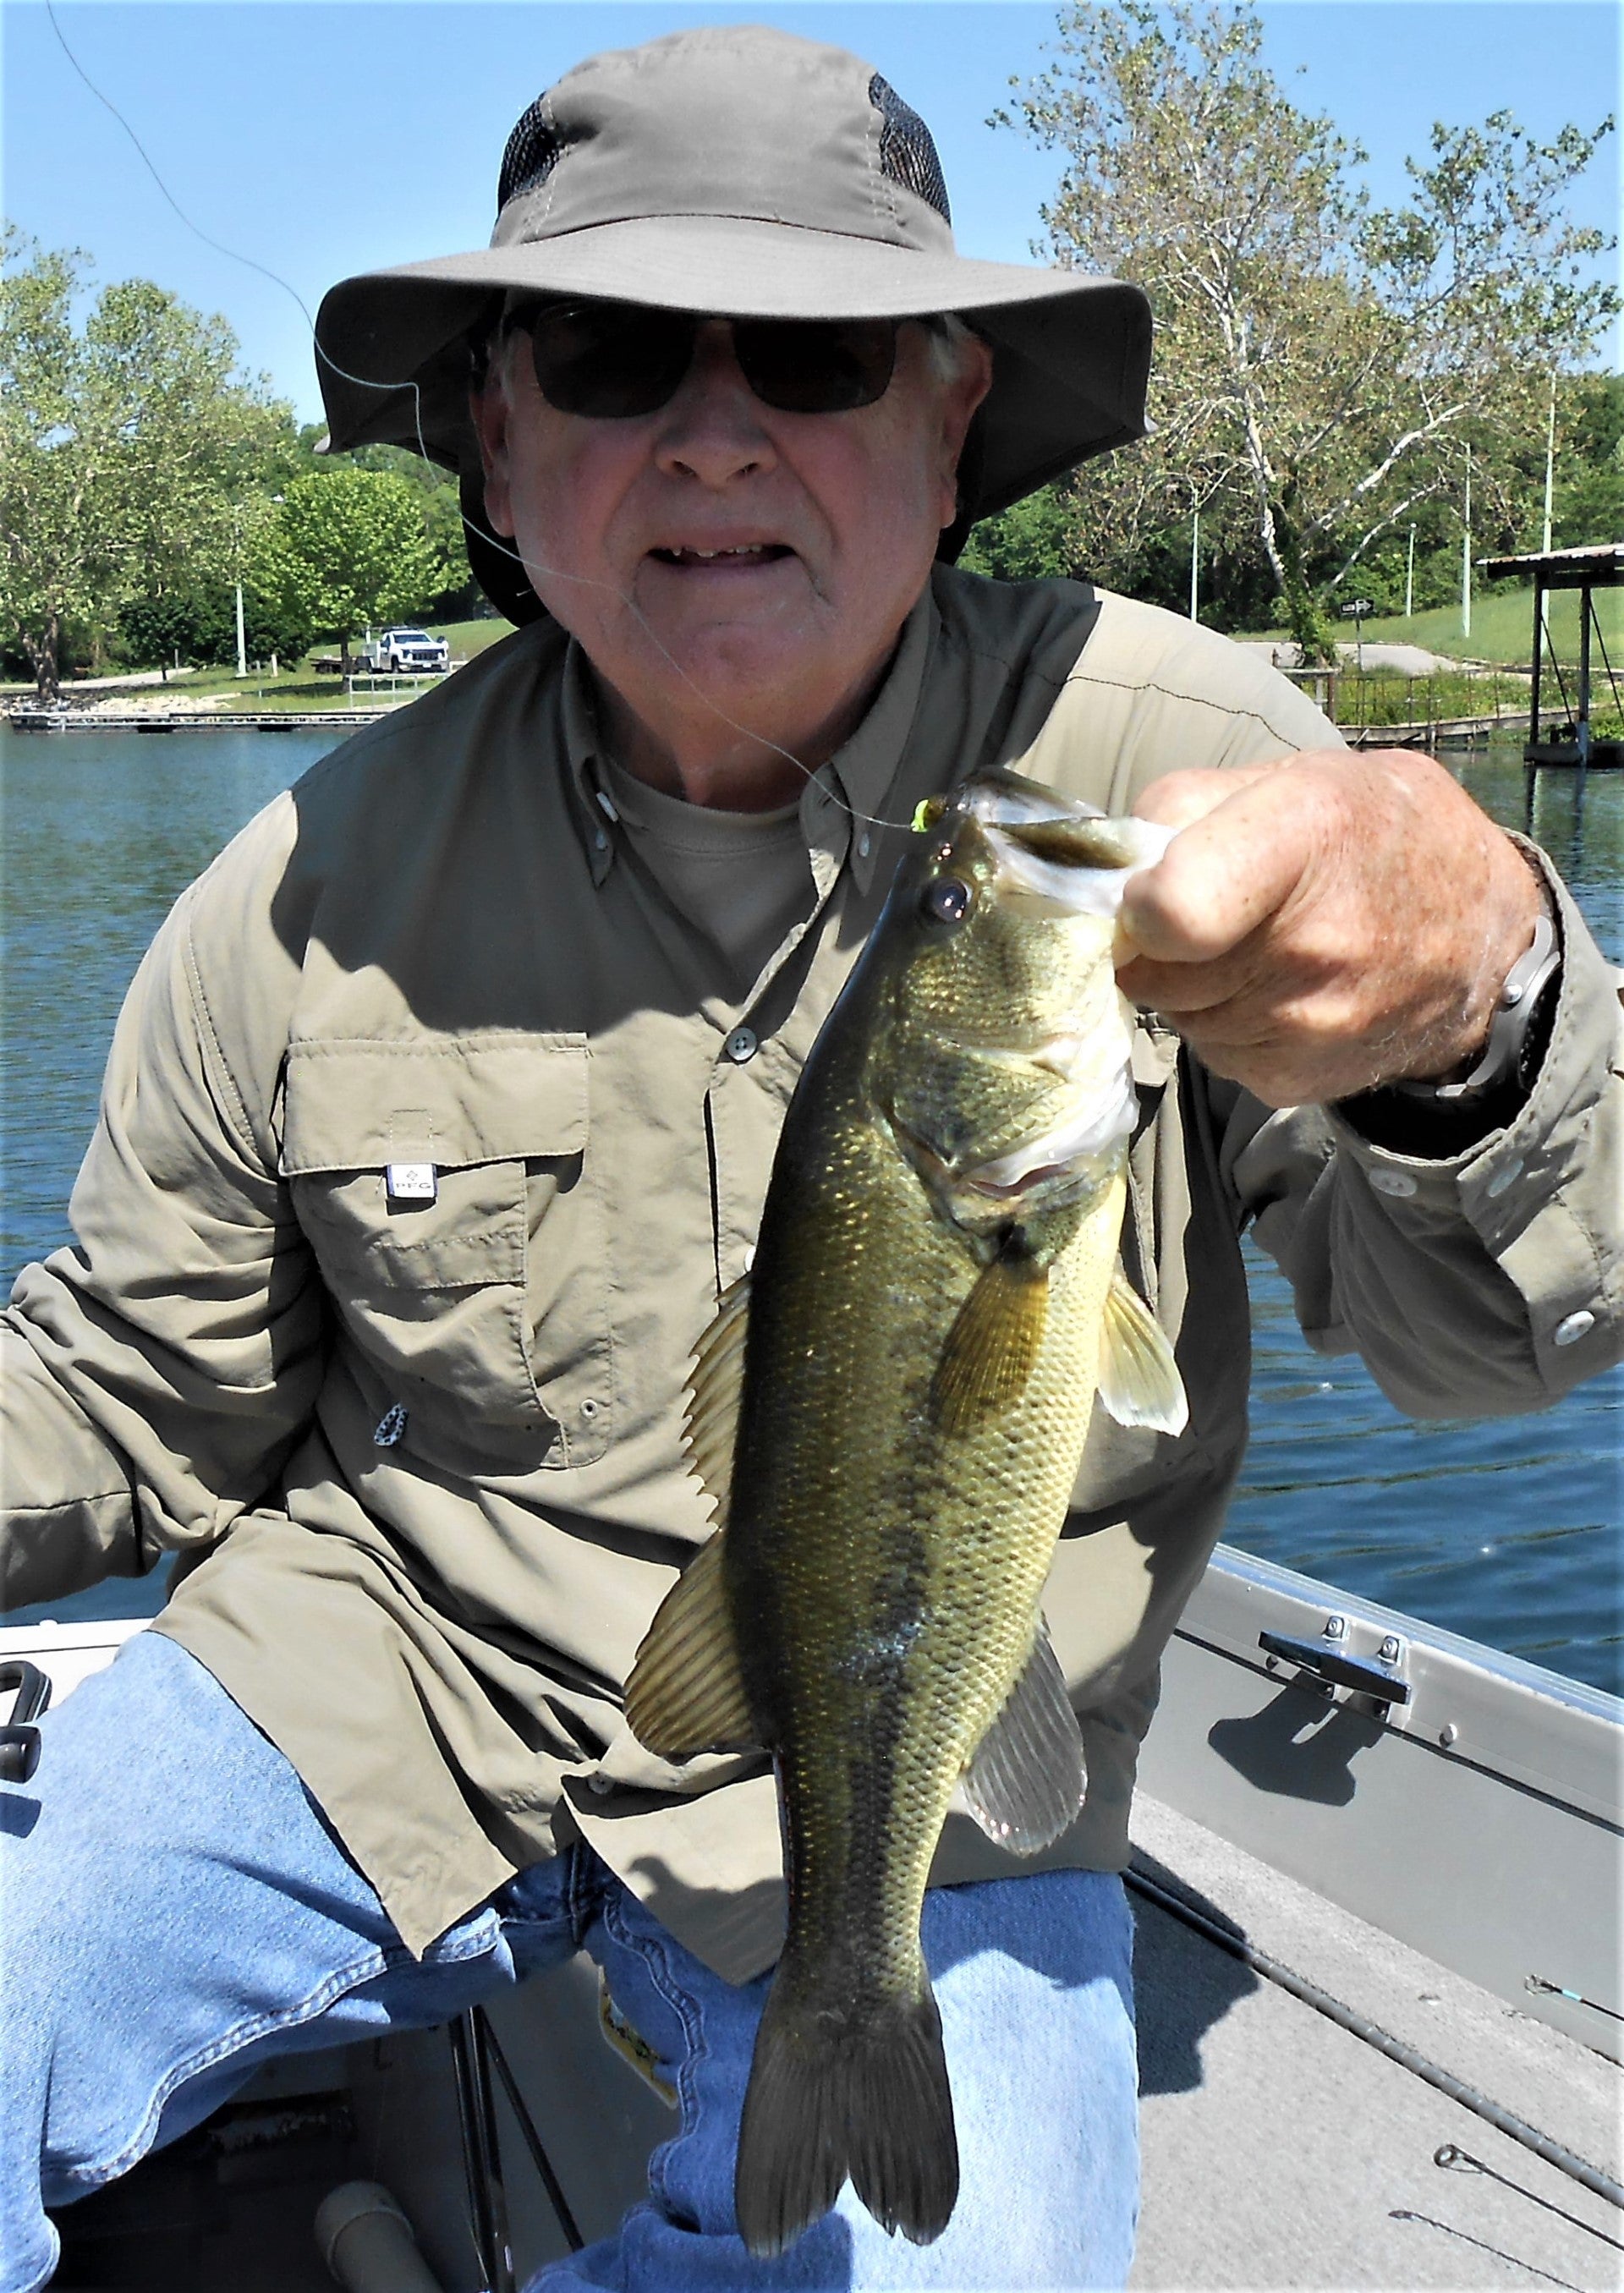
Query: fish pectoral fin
{"x": 994, "y": 1344}
{"x": 1139, "y": 1380}
{"x": 1024, "y": 1785}
{"x": 685, "y": 1692}
{"x": 711, "y": 1427}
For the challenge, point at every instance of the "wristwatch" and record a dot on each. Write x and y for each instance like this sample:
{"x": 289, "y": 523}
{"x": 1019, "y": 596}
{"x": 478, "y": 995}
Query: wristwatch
{"x": 1432, "y": 1120}
{"x": 1513, "y": 1036}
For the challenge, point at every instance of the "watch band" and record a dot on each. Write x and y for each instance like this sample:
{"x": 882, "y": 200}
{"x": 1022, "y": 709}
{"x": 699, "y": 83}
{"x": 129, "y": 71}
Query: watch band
{"x": 1514, "y": 1013}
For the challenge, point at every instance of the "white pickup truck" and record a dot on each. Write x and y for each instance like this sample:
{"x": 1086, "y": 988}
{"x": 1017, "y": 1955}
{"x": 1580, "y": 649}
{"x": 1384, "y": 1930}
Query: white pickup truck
{"x": 407, "y": 652}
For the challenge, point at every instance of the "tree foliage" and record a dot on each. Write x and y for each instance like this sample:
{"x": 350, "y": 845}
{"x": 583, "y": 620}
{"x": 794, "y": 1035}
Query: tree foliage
{"x": 128, "y": 448}
{"x": 345, "y": 548}
{"x": 1322, "y": 366}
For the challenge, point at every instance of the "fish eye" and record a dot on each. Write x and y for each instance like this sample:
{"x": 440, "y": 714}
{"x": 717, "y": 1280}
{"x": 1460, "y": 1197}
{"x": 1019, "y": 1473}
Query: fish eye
{"x": 945, "y": 901}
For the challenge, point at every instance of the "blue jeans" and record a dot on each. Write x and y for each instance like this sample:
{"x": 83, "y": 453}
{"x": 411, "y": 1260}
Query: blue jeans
{"x": 175, "y": 1912}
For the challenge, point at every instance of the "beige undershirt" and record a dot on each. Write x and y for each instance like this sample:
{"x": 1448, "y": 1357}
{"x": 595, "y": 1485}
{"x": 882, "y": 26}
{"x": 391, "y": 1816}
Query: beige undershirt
{"x": 743, "y": 879}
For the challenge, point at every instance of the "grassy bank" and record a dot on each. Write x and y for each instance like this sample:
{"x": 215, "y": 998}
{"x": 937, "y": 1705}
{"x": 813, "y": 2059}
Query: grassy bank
{"x": 1502, "y": 628}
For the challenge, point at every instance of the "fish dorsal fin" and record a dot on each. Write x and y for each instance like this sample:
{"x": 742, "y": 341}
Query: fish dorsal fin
{"x": 686, "y": 1692}
{"x": 710, "y": 1425}
{"x": 1025, "y": 1783}
{"x": 1139, "y": 1380}
{"x": 994, "y": 1344}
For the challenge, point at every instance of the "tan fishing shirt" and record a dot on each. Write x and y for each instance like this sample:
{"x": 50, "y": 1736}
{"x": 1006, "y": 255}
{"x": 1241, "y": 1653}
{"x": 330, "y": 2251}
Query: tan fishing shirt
{"x": 430, "y": 1135}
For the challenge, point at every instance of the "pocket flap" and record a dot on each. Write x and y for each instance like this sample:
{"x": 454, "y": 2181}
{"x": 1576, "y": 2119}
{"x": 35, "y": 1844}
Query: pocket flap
{"x": 355, "y": 1105}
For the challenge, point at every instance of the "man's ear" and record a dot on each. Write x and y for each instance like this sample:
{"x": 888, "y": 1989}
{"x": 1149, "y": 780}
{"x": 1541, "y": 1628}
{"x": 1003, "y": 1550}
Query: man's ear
{"x": 490, "y": 413}
{"x": 960, "y": 400}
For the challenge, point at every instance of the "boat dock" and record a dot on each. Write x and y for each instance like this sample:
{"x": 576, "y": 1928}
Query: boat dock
{"x": 1435, "y": 732}
{"x": 191, "y": 720}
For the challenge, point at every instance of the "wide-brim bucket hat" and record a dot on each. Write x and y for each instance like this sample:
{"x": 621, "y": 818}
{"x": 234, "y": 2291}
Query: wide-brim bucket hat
{"x": 740, "y": 171}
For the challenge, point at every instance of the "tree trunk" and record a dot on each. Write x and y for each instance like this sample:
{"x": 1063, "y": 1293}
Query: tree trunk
{"x": 42, "y": 651}
{"x": 1305, "y": 616}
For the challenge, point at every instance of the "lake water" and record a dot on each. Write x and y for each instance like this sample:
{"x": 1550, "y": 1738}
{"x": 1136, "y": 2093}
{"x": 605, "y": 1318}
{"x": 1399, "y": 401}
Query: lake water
{"x": 1507, "y": 1532}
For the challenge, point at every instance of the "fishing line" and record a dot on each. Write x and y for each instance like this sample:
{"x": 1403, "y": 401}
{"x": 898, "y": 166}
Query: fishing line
{"x": 408, "y": 383}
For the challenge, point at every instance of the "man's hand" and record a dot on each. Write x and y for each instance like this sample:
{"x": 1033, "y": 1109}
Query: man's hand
{"x": 1327, "y": 924}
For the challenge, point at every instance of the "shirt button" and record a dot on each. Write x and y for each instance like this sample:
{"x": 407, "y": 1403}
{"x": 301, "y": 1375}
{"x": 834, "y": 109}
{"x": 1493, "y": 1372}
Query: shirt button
{"x": 741, "y": 1045}
{"x": 1569, "y": 1331}
{"x": 1506, "y": 1178}
{"x": 1393, "y": 1182}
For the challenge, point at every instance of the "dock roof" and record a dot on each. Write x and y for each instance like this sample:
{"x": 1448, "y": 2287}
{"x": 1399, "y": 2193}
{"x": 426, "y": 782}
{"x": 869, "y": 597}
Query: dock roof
{"x": 1598, "y": 565}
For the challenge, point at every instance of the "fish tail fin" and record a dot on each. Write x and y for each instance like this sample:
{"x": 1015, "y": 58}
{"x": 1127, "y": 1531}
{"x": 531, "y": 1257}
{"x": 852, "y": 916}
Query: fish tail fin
{"x": 826, "y": 2103}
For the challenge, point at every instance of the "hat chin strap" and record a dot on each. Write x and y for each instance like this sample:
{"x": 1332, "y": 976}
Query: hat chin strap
{"x": 492, "y": 560}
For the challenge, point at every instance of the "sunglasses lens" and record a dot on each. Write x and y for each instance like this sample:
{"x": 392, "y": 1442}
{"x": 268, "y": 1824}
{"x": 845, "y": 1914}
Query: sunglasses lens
{"x": 614, "y": 360}
{"x": 818, "y": 366}
{"x": 609, "y": 360}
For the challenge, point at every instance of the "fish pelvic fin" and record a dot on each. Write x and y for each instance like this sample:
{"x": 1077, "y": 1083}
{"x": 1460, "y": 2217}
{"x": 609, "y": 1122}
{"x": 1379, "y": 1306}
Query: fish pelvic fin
{"x": 994, "y": 1344}
{"x": 685, "y": 1692}
{"x": 710, "y": 1426}
{"x": 1025, "y": 1783}
{"x": 1139, "y": 1380}
{"x": 829, "y": 2101}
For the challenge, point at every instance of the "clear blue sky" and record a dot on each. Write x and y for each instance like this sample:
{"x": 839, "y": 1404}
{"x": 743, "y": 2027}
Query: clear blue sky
{"x": 319, "y": 139}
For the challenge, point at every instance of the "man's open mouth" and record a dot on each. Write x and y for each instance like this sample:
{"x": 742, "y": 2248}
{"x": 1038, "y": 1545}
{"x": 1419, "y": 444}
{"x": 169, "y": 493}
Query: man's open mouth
{"x": 749, "y": 553}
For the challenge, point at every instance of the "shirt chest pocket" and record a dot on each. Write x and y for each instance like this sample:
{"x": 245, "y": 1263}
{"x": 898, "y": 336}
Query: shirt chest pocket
{"x": 448, "y": 1192}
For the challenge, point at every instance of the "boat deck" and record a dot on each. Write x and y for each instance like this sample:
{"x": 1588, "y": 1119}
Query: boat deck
{"x": 1281, "y": 2149}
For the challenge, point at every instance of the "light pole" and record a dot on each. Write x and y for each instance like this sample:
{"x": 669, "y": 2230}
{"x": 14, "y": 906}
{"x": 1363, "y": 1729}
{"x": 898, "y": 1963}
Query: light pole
{"x": 1465, "y": 555}
{"x": 1195, "y": 553}
{"x": 1542, "y": 635}
{"x": 1409, "y": 577}
{"x": 242, "y": 650}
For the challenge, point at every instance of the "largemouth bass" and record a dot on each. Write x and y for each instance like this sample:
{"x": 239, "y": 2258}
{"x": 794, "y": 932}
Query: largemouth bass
{"x": 890, "y": 1412}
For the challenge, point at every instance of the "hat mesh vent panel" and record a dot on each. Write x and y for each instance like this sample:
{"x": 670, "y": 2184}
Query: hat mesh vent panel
{"x": 534, "y": 150}
{"x": 907, "y": 150}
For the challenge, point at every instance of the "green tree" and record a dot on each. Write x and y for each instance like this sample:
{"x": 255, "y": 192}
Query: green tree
{"x": 126, "y": 446}
{"x": 347, "y": 547}
{"x": 1032, "y": 541}
{"x": 458, "y": 596}
{"x": 1321, "y": 367}
{"x": 1588, "y": 502}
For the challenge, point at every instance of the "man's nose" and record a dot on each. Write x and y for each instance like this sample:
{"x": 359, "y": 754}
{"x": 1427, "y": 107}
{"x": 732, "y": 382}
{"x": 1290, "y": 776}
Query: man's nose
{"x": 712, "y": 428}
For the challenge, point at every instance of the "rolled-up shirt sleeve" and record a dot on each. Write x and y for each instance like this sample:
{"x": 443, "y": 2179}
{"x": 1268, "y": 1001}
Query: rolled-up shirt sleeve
{"x": 156, "y": 1372}
{"x": 1479, "y": 1284}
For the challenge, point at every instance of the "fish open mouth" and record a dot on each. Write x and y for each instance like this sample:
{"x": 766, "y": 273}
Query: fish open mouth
{"x": 1056, "y": 1154}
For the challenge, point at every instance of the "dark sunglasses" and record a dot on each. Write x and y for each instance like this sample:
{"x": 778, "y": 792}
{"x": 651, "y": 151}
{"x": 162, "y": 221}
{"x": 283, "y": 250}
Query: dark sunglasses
{"x": 614, "y": 361}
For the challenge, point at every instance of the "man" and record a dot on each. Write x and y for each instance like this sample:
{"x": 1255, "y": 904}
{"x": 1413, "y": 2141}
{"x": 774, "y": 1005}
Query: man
{"x": 442, "y": 1108}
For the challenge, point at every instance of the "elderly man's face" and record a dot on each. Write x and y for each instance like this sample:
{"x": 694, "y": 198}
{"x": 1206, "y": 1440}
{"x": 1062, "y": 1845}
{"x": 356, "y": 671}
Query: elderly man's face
{"x": 721, "y": 560}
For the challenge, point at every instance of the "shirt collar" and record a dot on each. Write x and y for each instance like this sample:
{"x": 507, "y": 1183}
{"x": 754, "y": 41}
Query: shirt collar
{"x": 848, "y": 794}
{"x": 840, "y": 798}
{"x": 595, "y": 812}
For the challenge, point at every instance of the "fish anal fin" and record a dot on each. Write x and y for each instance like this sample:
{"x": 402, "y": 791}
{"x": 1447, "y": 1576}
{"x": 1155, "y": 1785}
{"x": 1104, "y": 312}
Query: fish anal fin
{"x": 994, "y": 1344}
{"x": 1024, "y": 1785}
{"x": 1139, "y": 1380}
{"x": 686, "y": 1692}
{"x": 710, "y": 1425}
